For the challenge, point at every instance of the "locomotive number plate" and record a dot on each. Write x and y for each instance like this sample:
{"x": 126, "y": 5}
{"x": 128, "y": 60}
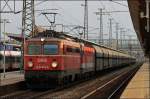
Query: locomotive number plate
{"x": 42, "y": 67}
{"x": 41, "y": 60}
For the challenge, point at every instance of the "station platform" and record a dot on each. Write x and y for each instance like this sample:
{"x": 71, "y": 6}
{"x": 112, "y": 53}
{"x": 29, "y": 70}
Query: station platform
{"x": 11, "y": 78}
{"x": 139, "y": 86}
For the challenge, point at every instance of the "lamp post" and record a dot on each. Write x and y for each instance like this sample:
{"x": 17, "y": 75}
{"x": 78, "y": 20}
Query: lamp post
{"x": 4, "y": 58}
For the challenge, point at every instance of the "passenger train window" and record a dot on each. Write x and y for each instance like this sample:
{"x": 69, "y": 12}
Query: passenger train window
{"x": 73, "y": 50}
{"x": 34, "y": 49}
{"x": 69, "y": 49}
{"x": 50, "y": 49}
{"x": 18, "y": 59}
{"x": 77, "y": 50}
{"x": 16, "y": 49}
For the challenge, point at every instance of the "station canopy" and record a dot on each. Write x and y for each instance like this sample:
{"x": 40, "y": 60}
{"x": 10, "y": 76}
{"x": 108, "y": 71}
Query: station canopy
{"x": 19, "y": 37}
{"x": 138, "y": 10}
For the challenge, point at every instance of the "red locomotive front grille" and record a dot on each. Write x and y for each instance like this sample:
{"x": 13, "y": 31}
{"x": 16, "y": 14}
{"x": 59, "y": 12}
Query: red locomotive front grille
{"x": 44, "y": 62}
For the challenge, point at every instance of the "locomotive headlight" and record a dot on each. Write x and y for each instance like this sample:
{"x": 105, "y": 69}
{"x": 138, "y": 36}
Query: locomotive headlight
{"x": 42, "y": 39}
{"x": 54, "y": 64}
{"x": 30, "y": 64}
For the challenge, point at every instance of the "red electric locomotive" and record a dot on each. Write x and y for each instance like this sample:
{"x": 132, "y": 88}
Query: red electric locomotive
{"x": 56, "y": 60}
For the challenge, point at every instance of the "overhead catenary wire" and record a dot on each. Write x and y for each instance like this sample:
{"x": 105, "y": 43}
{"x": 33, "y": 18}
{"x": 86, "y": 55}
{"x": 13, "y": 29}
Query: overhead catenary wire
{"x": 119, "y": 3}
{"x": 76, "y": 20}
{"x": 114, "y": 11}
{"x": 37, "y": 4}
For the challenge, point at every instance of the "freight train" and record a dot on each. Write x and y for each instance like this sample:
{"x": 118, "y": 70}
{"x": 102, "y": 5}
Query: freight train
{"x": 12, "y": 56}
{"x": 51, "y": 57}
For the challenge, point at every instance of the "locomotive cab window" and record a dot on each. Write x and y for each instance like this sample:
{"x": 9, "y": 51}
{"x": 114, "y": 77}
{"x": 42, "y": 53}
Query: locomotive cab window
{"x": 50, "y": 49}
{"x": 34, "y": 49}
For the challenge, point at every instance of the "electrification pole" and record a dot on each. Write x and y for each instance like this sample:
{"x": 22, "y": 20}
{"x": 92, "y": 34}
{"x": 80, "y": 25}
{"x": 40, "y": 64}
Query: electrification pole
{"x": 4, "y": 60}
{"x": 4, "y": 21}
{"x": 28, "y": 18}
{"x": 130, "y": 44}
{"x": 117, "y": 27}
{"x": 110, "y": 32}
{"x": 124, "y": 39}
{"x": 0, "y": 23}
{"x": 101, "y": 13}
{"x": 85, "y": 32}
{"x": 121, "y": 34}
{"x": 28, "y": 22}
{"x": 101, "y": 26}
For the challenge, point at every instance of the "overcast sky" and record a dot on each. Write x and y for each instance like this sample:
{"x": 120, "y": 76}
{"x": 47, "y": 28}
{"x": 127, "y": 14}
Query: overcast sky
{"x": 72, "y": 13}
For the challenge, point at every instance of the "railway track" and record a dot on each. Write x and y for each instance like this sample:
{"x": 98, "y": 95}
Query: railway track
{"x": 76, "y": 90}
{"x": 119, "y": 89}
{"x": 113, "y": 88}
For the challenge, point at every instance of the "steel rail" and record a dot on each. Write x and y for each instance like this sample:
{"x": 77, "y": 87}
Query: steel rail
{"x": 104, "y": 85}
{"x": 122, "y": 84}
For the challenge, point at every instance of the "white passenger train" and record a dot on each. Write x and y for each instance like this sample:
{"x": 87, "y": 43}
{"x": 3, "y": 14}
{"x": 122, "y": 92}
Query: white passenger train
{"x": 12, "y": 56}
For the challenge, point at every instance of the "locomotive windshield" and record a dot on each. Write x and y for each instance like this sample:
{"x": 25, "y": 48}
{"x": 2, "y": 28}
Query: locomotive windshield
{"x": 50, "y": 49}
{"x": 34, "y": 49}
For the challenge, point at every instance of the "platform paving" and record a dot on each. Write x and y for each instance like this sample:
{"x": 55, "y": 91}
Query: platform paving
{"x": 139, "y": 86}
{"x": 11, "y": 78}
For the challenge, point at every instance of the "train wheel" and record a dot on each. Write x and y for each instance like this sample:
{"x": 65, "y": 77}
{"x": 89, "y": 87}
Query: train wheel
{"x": 77, "y": 77}
{"x": 70, "y": 79}
{"x": 65, "y": 80}
{"x": 60, "y": 81}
